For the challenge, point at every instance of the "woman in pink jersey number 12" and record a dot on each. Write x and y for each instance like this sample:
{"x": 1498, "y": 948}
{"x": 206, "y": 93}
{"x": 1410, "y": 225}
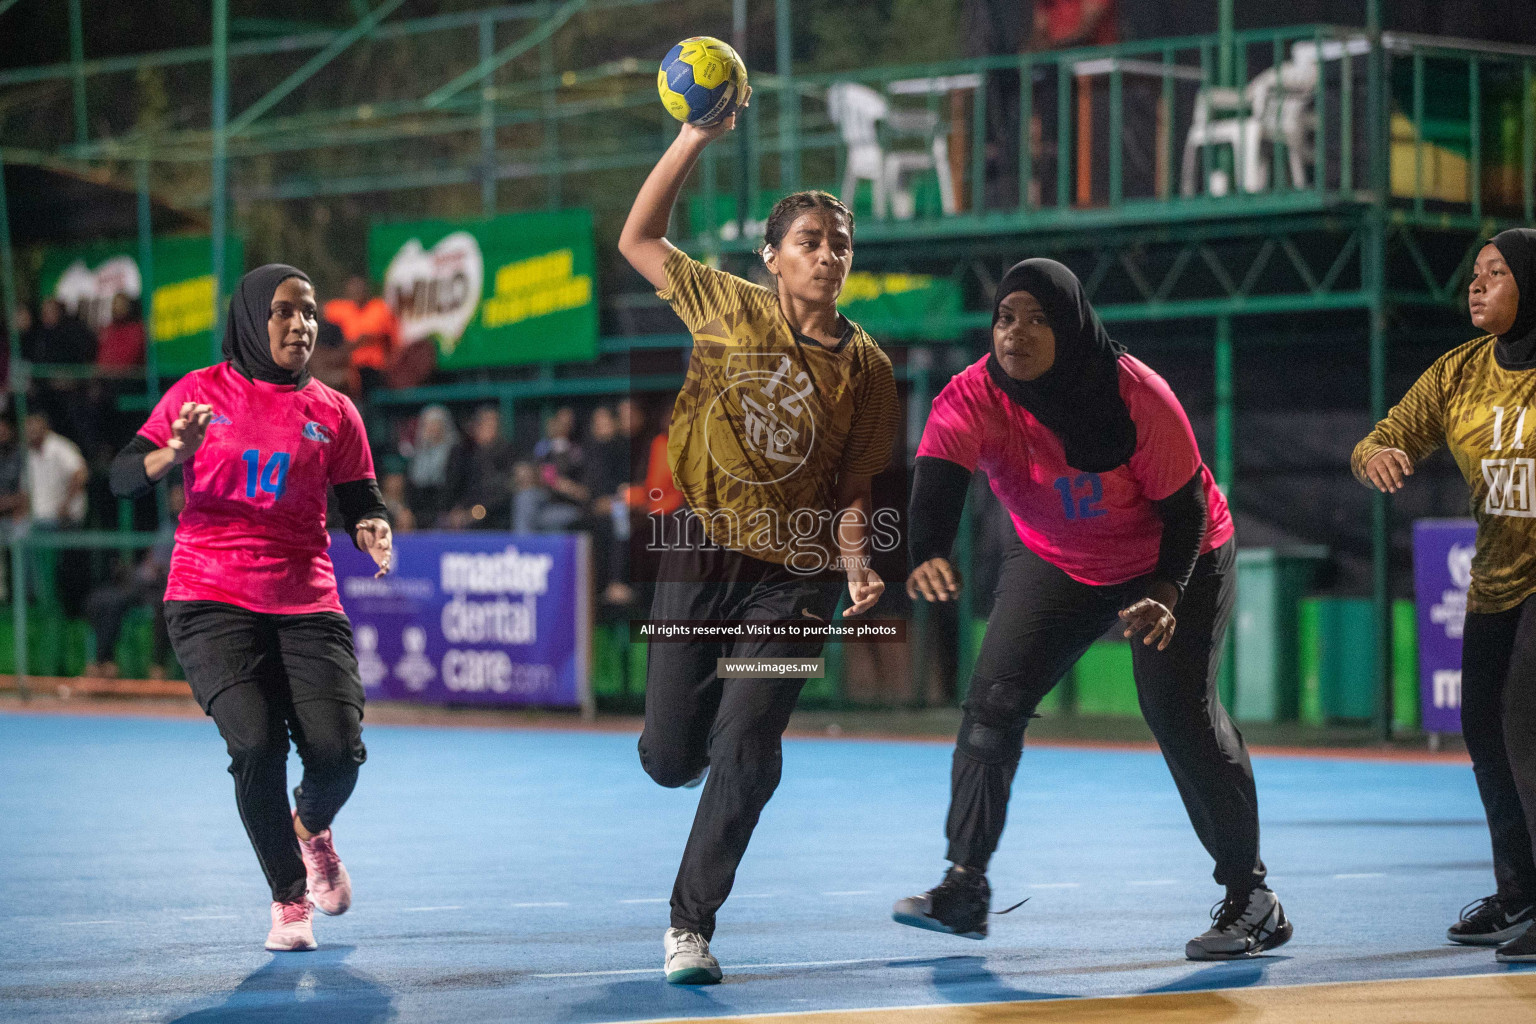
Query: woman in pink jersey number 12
{"x": 1117, "y": 519}
{"x": 251, "y": 602}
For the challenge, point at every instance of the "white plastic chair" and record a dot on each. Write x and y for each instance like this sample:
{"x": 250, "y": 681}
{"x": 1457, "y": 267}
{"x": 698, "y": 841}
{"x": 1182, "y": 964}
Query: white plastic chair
{"x": 1229, "y": 117}
{"x": 859, "y": 113}
{"x": 856, "y": 110}
{"x": 1294, "y": 120}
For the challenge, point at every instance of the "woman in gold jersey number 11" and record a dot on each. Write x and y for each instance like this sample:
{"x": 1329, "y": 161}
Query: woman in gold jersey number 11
{"x": 1474, "y": 401}
{"x": 787, "y": 412}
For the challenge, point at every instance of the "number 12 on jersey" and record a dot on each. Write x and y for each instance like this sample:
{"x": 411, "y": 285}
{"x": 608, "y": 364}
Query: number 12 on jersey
{"x": 1080, "y": 498}
{"x": 272, "y": 478}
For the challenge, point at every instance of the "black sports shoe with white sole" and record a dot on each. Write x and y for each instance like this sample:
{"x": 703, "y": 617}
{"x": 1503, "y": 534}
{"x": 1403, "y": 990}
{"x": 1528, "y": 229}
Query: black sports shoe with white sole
{"x": 1242, "y": 925}
{"x": 1520, "y": 950}
{"x": 1492, "y": 921}
{"x": 958, "y": 905}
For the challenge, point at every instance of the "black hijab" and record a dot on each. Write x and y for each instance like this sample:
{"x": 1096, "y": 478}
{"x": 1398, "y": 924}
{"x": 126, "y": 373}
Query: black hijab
{"x": 1516, "y": 347}
{"x": 1078, "y": 398}
{"x": 247, "y": 345}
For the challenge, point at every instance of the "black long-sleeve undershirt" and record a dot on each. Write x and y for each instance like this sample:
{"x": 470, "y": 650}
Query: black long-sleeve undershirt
{"x": 938, "y": 498}
{"x": 1184, "y": 515}
{"x": 933, "y": 513}
{"x": 357, "y": 499}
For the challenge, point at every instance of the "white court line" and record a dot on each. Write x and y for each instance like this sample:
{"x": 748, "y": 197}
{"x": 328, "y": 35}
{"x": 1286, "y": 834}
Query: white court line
{"x": 1055, "y": 885}
{"x": 753, "y": 895}
{"x": 742, "y": 967}
{"x": 422, "y": 910}
{"x": 211, "y": 917}
{"x": 555, "y": 903}
{"x": 656, "y": 899}
{"x": 851, "y": 892}
{"x": 92, "y": 922}
{"x": 1364, "y": 874}
{"x": 1155, "y": 881}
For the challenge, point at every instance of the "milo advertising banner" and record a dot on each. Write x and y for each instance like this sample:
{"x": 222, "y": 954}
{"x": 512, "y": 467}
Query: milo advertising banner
{"x": 514, "y": 289}
{"x": 179, "y": 312}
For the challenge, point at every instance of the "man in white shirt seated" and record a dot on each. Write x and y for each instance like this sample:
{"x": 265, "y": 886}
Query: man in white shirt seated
{"x": 56, "y": 477}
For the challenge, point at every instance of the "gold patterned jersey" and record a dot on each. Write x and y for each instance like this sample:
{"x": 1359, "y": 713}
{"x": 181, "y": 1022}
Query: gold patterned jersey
{"x": 1479, "y": 410}
{"x": 768, "y": 421}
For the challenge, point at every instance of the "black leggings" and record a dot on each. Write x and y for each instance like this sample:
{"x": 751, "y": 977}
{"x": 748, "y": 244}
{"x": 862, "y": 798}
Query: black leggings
{"x": 735, "y": 727}
{"x": 1041, "y": 623}
{"x": 264, "y": 678}
{"x": 1498, "y": 722}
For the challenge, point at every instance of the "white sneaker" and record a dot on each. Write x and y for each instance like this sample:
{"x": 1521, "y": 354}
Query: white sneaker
{"x": 1241, "y": 927}
{"x": 689, "y": 961}
{"x": 292, "y": 927}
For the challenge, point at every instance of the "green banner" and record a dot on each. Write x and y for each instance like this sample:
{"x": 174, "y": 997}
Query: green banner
{"x": 514, "y": 289}
{"x": 902, "y": 305}
{"x": 179, "y": 314}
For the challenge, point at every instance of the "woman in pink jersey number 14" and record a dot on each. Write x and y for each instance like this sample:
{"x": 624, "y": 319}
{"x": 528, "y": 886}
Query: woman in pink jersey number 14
{"x": 251, "y": 601}
{"x": 1116, "y": 519}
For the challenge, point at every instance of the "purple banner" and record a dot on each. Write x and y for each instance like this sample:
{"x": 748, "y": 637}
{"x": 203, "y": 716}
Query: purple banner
{"x": 1442, "y": 571}
{"x": 472, "y": 618}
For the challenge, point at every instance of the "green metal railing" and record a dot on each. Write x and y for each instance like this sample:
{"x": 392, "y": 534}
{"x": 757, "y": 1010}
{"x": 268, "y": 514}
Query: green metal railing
{"x": 1322, "y": 84}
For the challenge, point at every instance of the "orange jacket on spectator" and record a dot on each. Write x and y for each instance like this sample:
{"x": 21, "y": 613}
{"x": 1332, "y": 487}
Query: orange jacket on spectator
{"x": 371, "y": 330}
{"x": 658, "y": 480}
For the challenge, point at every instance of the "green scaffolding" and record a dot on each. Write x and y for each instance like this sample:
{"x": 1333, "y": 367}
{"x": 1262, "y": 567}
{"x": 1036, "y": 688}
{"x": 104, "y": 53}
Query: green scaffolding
{"x": 1354, "y": 244}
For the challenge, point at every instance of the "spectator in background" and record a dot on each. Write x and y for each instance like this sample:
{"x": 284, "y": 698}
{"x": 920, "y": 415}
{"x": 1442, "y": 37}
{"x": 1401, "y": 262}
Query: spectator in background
{"x": 368, "y": 325}
{"x": 144, "y": 587}
{"x": 121, "y": 343}
{"x": 331, "y": 363}
{"x": 632, "y": 428}
{"x": 13, "y": 500}
{"x": 560, "y": 462}
{"x": 401, "y": 517}
{"x": 605, "y": 476}
{"x": 661, "y": 494}
{"x": 480, "y": 476}
{"x": 57, "y": 473}
{"x": 59, "y": 337}
{"x": 63, "y": 339}
{"x": 1059, "y": 24}
{"x": 529, "y": 496}
{"x": 429, "y": 461}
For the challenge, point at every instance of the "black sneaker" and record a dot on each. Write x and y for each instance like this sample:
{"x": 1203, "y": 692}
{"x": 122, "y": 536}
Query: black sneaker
{"x": 1520, "y": 950}
{"x": 1492, "y": 921}
{"x": 1242, "y": 925}
{"x": 958, "y": 905}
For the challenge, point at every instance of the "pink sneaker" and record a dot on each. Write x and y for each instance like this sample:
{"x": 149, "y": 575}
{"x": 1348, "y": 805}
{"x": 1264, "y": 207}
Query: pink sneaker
{"x": 292, "y": 927}
{"x": 330, "y": 887}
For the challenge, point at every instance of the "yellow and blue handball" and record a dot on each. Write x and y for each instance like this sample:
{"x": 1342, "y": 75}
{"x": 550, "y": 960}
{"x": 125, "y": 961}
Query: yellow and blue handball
{"x": 701, "y": 81}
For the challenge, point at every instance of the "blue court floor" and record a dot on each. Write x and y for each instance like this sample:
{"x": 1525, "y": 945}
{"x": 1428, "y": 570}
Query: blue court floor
{"x": 524, "y": 875}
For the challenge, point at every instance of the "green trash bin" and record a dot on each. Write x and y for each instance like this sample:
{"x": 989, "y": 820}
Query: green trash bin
{"x": 1337, "y": 657}
{"x": 1270, "y": 582}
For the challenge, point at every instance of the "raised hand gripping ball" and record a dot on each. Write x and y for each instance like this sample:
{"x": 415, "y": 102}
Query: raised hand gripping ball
{"x": 701, "y": 81}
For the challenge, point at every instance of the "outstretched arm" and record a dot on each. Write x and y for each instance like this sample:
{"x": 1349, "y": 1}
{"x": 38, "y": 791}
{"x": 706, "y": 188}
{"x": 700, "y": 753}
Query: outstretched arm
{"x": 643, "y": 241}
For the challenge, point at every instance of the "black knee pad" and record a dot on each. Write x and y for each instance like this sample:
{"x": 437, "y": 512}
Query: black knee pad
{"x": 670, "y": 772}
{"x": 992, "y": 730}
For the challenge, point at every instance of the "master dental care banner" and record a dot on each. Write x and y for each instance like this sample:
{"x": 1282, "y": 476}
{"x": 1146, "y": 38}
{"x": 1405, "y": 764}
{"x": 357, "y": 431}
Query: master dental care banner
{"x": 499, "y": 292}
{"x": 179, "y": 313}
{"x": 472, "y": 618}
{"x": 1442, "y": 572}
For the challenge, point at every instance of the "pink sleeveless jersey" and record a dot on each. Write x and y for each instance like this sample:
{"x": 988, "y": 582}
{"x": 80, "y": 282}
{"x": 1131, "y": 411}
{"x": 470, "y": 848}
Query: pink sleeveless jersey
{"x": 253, "y": 530}
{"x": 1098, "y": 528}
